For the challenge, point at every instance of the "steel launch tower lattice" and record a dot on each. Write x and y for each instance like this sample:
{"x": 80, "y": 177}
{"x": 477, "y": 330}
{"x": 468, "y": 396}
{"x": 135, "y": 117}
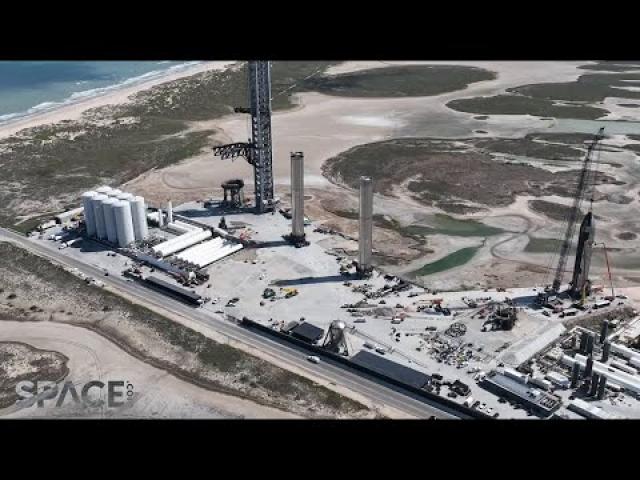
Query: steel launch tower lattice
{"x": 258, "y": 152}
{"x": 585, "y": 180}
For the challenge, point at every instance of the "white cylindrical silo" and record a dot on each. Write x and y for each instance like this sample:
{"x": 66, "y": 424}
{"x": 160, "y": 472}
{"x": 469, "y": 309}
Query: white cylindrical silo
{"x": 139, "y": 214}
{"x": 160, "y": 218}
{"x": 89, "y": 216}
{"x": 124, "y": 223}
{"x": 110, "y": 219}
{"x": 101, "y": 229}
{"x": 104, "y": 190}
{"x": 125, "y": 196}
{"x": 114, "y": 192}
{"x": 169, "y": 212}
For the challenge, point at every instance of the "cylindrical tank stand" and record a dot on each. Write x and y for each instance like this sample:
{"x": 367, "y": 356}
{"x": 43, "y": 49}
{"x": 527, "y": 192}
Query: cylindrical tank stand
{"x": 365, "y": 240}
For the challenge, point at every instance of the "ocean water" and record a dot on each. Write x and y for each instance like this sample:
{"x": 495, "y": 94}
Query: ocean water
{"x": 27, "y": 88}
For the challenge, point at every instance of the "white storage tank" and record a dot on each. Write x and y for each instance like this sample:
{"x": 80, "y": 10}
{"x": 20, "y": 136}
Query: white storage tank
{"x": 124, "y": 223}
{"x": 110, "y": 219}
{"x": 558, "y": 379}
{"x": 139, "y": 214}
{"x": 515, "y": 375}
{"x": 104, "y": 190}
{"x": 114, "y": 192}
{"x": 169, "y": 212}
{"x": 541, "y": 382}
{"x": 101, "y": 229}
{"x": 125, "y": 196}
{"x": 89, "y": 216}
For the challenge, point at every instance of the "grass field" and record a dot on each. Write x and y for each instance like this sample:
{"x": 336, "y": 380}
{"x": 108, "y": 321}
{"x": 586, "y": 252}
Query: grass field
{"x": 438, "y": 172}
{"x": 591, "y": 87}
{"x": 543, "y": 245}
{"x": 405, "y": 81}
{"x": 512, "y": 104}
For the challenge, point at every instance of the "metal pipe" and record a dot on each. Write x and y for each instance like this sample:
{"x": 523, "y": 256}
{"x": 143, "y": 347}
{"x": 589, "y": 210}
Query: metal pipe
{"x": 589, "y": 367}
{"x": 606, "y": 349}
{"x": 575, "y": 375}
{"x": 590, "y": 342}
{"x": 595, "y": 378}
{"x": 601, "y": 386}
{"x": 583, "y": 342}
{"x": 604, "y": 331}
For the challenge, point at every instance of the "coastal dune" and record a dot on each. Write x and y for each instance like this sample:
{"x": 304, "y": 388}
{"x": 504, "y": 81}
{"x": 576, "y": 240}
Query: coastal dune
{"x": 75, "y": 110}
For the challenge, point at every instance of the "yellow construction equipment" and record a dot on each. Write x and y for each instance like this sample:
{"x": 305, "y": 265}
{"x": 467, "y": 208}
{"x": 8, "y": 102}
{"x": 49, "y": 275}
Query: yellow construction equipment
{"x": 290, "y": 292}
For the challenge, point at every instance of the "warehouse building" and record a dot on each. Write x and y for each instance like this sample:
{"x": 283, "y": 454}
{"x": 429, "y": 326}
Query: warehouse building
{"x": 391, "y": 369}
{"x": 307, "y": 332}
{"x": 539, "y": 402}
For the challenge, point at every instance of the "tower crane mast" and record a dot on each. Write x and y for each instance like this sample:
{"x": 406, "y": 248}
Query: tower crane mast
{"x": 572, "y": 219}
{"x": 259, "y": 150}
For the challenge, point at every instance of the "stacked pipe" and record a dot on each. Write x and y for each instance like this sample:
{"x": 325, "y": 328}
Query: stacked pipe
{"x": 180, "y": 243}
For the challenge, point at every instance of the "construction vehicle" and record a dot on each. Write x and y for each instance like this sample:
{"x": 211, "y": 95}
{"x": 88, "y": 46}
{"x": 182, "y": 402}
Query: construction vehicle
{"x": 290, "y": 292}
{"x": 268, "y": 293}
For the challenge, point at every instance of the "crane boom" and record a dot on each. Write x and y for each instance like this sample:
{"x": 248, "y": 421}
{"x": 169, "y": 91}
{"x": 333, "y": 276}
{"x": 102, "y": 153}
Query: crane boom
{"x": 574, "y": 212}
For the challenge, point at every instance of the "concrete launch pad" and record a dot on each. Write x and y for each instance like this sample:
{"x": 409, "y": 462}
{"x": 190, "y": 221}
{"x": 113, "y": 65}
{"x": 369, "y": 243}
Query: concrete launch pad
{"x": 444, "y": 334}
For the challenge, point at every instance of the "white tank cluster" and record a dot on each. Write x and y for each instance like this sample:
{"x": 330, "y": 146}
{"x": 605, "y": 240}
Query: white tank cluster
{"x": 116, "y": 216}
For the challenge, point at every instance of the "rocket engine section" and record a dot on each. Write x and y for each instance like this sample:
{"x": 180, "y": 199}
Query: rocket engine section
{"x": 580, "y": 283}
{"x": 336, "y": 340}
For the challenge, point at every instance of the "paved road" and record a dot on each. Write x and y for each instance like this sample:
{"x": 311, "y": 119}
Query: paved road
{"x": 378, "y": 392}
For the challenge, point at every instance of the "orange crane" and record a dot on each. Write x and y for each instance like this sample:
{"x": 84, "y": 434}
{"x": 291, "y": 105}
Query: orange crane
{"x": 604, "y": 247}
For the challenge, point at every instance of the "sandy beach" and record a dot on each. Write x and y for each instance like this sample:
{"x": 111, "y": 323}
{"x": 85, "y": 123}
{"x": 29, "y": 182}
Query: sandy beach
{"x": 158, "y": 393}
{"x": 74, "y": 111}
